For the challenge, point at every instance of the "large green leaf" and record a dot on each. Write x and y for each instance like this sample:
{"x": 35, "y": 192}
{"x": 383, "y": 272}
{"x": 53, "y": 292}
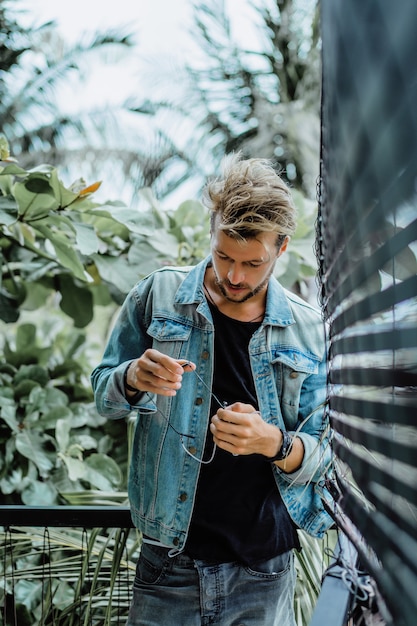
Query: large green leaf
{"x": 76, "y": 468}
{"x": 191, "y": 213}
{"x": 8, "y": 210}
{"x": 165, "y": 243}
{"x": 35, "y": 197}
{"x": 39, "y": 493}
{"x": 86, "y": 238}
{"x": 62, "y": 434}
{"x": 32, "y": 444}
{"x": 8, "y": 409}
{"x": 25, "y": 336}
{"x": 12, "y": 482}
{"x": 66, "y": 255}
{"x": 117, "y": 271}
{"x": 9, "y": 312}
{"x": 12, "y": 170}
{"x": 76, "y": 301}
{"x": 63, "y": 195}
{"x": 103, "y": 472}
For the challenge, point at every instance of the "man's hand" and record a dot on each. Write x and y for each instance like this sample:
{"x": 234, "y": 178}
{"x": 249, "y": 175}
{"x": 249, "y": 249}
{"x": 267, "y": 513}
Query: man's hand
{"x": 157, "y": 373}
{"x": 240, "y": 429}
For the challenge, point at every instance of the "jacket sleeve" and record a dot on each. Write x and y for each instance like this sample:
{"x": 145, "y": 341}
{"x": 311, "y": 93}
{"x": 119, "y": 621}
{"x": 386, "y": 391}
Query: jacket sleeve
{"x": 127, "y": 341}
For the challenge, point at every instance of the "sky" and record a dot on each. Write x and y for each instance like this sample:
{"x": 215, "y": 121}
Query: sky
{"x": 169, "y": 18}
{"x": 161, "y": 29}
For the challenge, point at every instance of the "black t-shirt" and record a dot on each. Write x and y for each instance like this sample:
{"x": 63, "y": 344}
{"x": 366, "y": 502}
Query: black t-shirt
{"x": 238, "y": 513}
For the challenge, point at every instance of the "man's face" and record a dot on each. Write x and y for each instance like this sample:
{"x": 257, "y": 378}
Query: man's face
{"x": 242, "y": 268}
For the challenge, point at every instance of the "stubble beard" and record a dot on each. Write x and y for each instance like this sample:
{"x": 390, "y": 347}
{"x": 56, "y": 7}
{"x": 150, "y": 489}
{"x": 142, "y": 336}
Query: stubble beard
{"x": 251, "y": 293}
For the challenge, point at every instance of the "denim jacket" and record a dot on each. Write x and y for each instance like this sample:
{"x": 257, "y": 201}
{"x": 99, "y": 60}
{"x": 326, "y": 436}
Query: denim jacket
{"x": 168, "y": 311}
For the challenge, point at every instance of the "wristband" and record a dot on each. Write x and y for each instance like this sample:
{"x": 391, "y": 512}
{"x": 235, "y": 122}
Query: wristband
{"x": 126, "y": 384}
{"x": 285, "y": 448}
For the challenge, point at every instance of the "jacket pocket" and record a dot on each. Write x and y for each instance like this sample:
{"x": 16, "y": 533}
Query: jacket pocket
{"x": 292, "y": 367}
{"x": 162, "y": 329}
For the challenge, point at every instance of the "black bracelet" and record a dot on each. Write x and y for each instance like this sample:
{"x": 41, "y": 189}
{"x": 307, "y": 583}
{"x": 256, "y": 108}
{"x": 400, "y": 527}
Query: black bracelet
{"x": 126, "y": 384}
{"x": 285, "y": 448}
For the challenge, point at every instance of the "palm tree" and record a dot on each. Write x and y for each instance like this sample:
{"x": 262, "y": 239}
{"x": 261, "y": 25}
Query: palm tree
{"x": 259, "y": 94}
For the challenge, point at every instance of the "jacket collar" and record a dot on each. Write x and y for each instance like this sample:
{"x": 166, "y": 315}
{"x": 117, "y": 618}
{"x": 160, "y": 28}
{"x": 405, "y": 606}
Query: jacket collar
{"x": 277, "y": 313}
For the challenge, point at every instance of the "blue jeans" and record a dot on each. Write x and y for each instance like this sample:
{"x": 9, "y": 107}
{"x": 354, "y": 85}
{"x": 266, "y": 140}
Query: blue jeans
{"x": 180, "y": 591}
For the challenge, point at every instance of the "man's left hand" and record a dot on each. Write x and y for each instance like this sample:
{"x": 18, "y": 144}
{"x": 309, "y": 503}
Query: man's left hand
{"x": 240, "y": 429}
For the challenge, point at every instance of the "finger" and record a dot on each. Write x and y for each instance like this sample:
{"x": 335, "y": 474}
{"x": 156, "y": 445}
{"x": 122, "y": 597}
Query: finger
{"x": 230, "y": 443}
{"x": 228, "y": 415}
{"x": 241, "y": 407}
{"x": 162, "y": 366}
{"x": 188, "y": 366}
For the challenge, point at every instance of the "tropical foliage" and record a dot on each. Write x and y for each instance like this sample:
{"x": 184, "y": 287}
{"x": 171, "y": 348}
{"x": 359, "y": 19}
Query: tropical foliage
{"x": 68, "y": 260}
{"x": 253, "y": 85}
{"x": 67, "y": 577}
{"x": 59, "y": 248}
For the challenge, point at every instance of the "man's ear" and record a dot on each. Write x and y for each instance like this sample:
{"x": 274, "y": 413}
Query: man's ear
{"x": 284, "y": 246}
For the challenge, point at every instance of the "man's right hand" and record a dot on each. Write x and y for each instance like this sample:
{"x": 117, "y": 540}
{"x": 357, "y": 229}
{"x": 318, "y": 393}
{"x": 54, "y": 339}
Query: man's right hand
{"x": 157, "y": 373}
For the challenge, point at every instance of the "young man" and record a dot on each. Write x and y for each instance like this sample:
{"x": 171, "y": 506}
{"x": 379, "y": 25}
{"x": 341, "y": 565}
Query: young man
{"x": 227, "y": 373}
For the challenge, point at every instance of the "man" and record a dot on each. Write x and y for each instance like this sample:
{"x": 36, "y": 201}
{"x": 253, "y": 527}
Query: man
{"x": 227, "y": 373}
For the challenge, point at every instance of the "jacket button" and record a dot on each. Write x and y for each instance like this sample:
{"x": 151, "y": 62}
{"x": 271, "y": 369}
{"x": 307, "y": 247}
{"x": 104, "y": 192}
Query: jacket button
{"x": 199, "y": 401}
{"x": 294, "y": 375}
{"x": 205, "y": 355}
{"x": 183, "y": 497}
{"x": 192, "y": 450}
{"x": 175, "y": 541}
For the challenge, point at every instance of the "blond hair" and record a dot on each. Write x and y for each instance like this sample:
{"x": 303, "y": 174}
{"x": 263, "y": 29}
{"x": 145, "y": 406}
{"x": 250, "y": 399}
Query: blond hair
{"x": 250, "y": 198}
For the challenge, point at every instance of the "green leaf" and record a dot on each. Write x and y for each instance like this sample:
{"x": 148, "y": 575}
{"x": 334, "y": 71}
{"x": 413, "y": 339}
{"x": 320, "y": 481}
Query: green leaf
{"x": 13, "y": 170}
{"x": 63, "y": 195}
{"x": 34, "y": 204}
{"x": 9, "y": 312}
{"x": 137, "y": 222}
{"x": 304, "y": 248}
{"x": 75, "y": 467}
{"x": 142, "y": 256}
{"x": 103, "y": 472}
{"x": 36, "y": 295}
{"x": 39, "y": 493}
{"x": 31, "y": 444}
{"x": 47, "y": 399}
{"x": 25, "y": 336}
{"x": 191, "y": 213}
{"x": 76, "y": 302}
{"x": 51, "y": 415}
{"x": 8, "y": 210}
{"x": 12, "y": 482}
{"x": 66, "y": 255}
{"x": 116, "y": 270}
{"x": 87, "y": 240}
{"x": 87, "y": 442}
{"x": 8, "y": 411}
{"x": 32, "y": 372}
{"x": 24, "y": 388}
{"x": 165, "y": 243}
{"x": 62, "y": 432}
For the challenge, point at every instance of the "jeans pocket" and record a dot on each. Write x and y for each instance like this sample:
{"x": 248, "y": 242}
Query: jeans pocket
{"x": 274, "y": 568}
{"x": 152, "y": 564}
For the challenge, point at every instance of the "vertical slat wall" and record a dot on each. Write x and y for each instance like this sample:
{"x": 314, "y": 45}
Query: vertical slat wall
{"x": 367, "y": 244}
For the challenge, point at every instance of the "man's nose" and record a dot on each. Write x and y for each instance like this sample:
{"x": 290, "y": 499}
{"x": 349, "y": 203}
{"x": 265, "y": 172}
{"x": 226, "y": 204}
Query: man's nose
{"x": 236, "y": 274}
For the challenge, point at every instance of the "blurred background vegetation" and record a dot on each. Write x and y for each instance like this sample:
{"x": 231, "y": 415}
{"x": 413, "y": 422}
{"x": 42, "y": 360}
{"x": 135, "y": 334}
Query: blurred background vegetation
{"x": 69, "y": 256}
